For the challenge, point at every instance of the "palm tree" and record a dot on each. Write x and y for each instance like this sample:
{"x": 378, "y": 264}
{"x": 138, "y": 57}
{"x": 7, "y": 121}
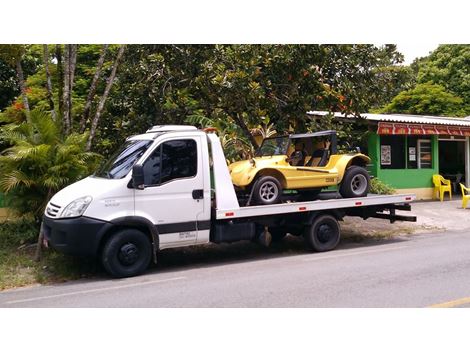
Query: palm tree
{"x": 39, "y": 162}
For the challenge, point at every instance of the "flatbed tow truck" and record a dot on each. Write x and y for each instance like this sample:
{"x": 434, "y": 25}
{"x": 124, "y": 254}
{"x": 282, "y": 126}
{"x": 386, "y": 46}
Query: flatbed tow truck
{"x": 171, "y": 187}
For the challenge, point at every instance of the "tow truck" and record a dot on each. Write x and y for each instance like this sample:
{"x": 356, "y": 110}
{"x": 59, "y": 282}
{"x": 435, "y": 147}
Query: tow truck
{"x": 170, "y": 187}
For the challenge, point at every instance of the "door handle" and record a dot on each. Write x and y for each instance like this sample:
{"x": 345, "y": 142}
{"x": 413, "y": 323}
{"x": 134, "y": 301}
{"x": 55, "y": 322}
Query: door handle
{"x": 198, "y": 194}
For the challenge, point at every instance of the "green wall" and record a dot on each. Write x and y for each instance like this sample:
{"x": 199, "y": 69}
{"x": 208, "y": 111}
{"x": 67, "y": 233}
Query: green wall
{"x": 402, "y": 178}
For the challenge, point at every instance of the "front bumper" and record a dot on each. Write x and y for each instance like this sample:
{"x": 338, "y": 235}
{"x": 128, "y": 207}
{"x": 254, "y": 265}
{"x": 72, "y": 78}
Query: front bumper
{"x": 77, "y": 236}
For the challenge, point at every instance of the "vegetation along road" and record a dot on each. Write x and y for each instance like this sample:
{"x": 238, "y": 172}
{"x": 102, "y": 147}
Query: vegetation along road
{"x": 415, "y": 271}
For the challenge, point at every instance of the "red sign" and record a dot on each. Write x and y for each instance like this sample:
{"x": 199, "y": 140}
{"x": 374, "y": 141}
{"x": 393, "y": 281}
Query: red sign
{"x": 401, "y": 128}
{"x": 421, "y": 129}
{"x": 385, "y": 128}
{"x": 454, "y": 131}
{"x": 416, "y": 129}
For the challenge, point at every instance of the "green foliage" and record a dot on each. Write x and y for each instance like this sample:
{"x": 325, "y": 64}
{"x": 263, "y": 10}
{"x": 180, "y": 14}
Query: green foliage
{"x": 40, "y": 162}
{"x": 379, "y": 187}
{"x": 426, "y": 99}
{"x": 448, "y": 66}
{"x": 18, "y": 232}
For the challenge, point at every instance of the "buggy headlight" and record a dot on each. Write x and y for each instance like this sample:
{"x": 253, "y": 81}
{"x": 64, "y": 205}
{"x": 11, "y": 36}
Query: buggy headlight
{"x": 76, "y": 208}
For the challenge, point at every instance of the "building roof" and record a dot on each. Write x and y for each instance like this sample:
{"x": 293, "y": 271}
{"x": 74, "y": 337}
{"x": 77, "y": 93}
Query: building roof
{"x": 402, "y": 118}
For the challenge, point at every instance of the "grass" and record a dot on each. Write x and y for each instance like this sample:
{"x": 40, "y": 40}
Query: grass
{"x": 18, "y": 267}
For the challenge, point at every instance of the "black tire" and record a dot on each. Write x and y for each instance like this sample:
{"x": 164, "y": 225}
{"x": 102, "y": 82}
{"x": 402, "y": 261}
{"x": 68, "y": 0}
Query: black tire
{"x": 324, "y": 234}
{"x": 267, "y": 190}
{"x": 356, "y": 182}
{"x": 277, "y": 233}
{"x": 126, "y": 253}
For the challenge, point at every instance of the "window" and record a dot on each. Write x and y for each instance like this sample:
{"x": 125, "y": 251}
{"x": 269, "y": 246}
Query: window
{"x": 424, "y": 154}
{"x": 171, "y": 160}
{"x": 121, "y": 162}
{"x": 405, "y": 152}
{"x": 392, "y": 152}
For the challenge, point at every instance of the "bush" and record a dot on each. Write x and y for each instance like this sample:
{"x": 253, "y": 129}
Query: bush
{"x": 14, "y": 233}
{"x": 379, "y": 187}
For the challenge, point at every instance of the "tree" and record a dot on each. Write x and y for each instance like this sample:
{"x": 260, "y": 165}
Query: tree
{"x": 40, "y": 162}
{"x": 426, "y": 99}
{"x": 449, "y": 67}
{"x": 13, "y": 54}
{"x": 109, "y": 84}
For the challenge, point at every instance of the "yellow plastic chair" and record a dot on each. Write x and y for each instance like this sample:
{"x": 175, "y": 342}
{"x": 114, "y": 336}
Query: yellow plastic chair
{"x": 441, "y": 185}
{"x": 465, "y": 195}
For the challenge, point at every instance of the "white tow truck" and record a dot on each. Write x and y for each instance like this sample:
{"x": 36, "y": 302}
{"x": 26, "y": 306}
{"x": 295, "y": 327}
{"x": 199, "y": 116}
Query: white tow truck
{"x": 171, "y": 187}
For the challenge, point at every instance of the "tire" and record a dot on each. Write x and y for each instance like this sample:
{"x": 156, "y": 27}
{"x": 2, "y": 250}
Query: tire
{"x": 277, "y": 233}
{"x": 127, "y": 253}
{"x": 356, "y": 182}
{"x": 267, "y": 190}
{"x": 324, "y": 234}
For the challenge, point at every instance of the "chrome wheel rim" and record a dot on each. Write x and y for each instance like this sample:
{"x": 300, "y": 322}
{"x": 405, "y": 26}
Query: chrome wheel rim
{"x": 268, "y": 191}
{"x": 359, "y": 184}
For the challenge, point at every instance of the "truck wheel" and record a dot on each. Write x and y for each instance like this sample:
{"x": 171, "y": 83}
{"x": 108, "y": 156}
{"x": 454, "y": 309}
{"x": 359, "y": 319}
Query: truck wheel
{"x": 356, "y": 182}
{"x": 267, "y": 190}
{"x": 277, "y": 233}
{"x": 323, "y": 235}
{"x": 127, "y": 253}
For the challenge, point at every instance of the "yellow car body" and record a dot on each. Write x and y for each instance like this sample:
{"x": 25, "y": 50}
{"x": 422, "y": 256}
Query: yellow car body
{"x": 295, "y": 177}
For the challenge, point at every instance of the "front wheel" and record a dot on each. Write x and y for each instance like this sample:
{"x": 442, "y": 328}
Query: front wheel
{"x": 356, "y": 182}
{"x": 127, "y": 253}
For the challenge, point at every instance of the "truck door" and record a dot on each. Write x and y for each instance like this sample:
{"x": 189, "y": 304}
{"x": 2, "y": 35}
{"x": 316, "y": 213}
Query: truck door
{"x": 174, "y": 190}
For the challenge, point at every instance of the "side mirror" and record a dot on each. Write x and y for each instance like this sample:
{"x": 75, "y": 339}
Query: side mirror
{"x": 138, "y": 176}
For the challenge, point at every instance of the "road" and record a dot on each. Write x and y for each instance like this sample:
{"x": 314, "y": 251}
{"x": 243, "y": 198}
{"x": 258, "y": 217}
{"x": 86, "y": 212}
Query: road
{"x": 414, "y": 271}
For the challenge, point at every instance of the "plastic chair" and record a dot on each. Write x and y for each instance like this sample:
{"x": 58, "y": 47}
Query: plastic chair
{"x": 465, "y": 195}
{"x": 441, "y": 185}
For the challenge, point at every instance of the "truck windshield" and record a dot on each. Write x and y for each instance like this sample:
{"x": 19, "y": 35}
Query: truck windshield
{"x": 273, "y": 146}
{"x": 121, "y": 162}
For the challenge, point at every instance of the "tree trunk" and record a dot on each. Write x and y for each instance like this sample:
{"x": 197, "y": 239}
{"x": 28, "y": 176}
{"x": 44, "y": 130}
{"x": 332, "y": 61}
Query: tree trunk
{"x": 48, "y": 81}
{"x": 72, "y": 65}
{"x": 38, "y": 254}
{"x": 92, "y": 91}
{"x": 99, "y": 110}
{"x": 19, "y": 71}
{"x": 245, "y": 130}
{"x": 65, "y": 97}
{"x": 60, "y": 72}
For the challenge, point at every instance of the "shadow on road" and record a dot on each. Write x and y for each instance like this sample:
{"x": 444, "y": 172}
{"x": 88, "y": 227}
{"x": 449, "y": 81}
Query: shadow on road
{"x": 173, "y": 260}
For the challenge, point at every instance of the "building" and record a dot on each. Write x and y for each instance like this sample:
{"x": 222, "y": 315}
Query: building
{"x": 406, "y": 150}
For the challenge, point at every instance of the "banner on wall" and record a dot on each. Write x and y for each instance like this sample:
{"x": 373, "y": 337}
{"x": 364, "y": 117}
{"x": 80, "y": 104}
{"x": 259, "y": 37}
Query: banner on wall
{"x": 416, "y": 129}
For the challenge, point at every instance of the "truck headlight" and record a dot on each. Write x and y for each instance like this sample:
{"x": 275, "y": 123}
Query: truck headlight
{"x": 76, "y": 208}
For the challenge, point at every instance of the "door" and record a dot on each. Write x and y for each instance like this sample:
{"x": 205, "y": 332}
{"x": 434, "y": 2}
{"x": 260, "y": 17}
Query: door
{"x": 173, "y": 193}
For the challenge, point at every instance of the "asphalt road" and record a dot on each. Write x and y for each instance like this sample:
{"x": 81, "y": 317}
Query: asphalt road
{"x": 415, "y": 271}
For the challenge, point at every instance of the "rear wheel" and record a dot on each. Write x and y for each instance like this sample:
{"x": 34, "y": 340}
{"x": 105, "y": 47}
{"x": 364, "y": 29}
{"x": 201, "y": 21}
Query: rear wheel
{"x": 324, "y": 234}
{"x": 356, "y": 182}
{"x": 267, "y": 190}
{"x": 127, "y": 253}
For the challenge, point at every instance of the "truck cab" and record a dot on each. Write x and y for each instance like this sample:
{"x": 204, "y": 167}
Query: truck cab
{"x": 171, "y": 206}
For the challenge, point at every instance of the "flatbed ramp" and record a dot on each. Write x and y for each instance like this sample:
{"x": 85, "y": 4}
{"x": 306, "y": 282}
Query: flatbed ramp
{"x": 320, "y": 204}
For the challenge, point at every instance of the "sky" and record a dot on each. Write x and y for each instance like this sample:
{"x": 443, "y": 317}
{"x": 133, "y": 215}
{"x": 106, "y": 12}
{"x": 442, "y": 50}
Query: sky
{"x": 413, "y": 51}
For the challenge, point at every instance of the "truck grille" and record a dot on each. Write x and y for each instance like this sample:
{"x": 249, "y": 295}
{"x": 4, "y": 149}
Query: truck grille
{"x": 52, "y": 210}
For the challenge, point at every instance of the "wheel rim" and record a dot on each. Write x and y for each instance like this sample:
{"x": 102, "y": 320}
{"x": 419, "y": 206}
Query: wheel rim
{"x": 325, "y": 233}
{"x": 268, "y": 191}
{"x": 128, "y": 254}
{"x": 359, "y": 184}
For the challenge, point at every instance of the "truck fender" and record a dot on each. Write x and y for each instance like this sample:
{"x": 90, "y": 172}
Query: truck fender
{"x": 138, "y": 221}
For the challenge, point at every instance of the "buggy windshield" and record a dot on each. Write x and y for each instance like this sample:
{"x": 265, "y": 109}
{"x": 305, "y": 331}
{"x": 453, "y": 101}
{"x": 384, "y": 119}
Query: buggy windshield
{"x": 274, "y": 146}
